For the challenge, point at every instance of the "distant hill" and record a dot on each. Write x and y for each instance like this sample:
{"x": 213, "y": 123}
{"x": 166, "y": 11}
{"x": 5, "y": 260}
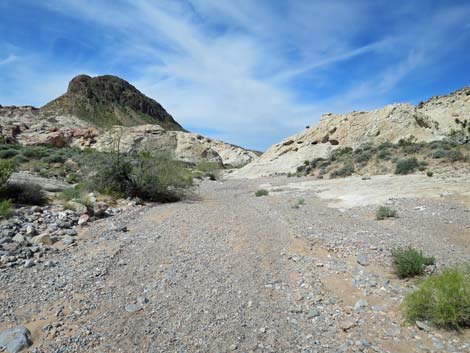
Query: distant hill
{"x": 108, "y": 100}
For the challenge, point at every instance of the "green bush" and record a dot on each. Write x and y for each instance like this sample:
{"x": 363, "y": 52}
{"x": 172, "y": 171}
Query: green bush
{"x": 7, "y": 154}
{"x": 24, "y": 194}
{"x": 5, "y": 208}
{"x": 300, "y": 202}
{"x": 384, "y": 154}
{"x": 362, "y": 157}
{"x": 406, "y": 166}
{"x": 55, "y": 158}
{"x": 6, "y": 169}
{"x": 150, "y": 176}
{"x": 443, "y": 300}
{"x": 384, "y": 212}
{"x": 344, "y": 171}
{"x": 341, "y": 154}
{"x": 409, "y": 262}
{"x": 429, "y": 174}
{"x": 69, "y": 194}
{"x": 20, "y": 159}
{"x": 261, "y": 192}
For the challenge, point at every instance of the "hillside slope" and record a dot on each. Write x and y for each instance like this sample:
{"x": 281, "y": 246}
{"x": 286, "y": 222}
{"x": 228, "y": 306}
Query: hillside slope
{"x": 108, "y": 100}
{"x": 95, "y": 110}
{"x": 429, "y": 121}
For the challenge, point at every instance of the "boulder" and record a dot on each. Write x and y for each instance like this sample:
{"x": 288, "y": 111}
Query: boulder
{"x": 15, "y": 339}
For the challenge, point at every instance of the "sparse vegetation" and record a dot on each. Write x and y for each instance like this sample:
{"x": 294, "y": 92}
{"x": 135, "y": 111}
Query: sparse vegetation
{"x": 384, "y": 212}
{"x": 24, "y": 194}
{"x": 406, "y": 166}
{"x": 150, "y": 176}
{"x": 409, "y": 262}
{"x": 5, "y": 209}
{"x": 6, "y": 169}
{"x": 405, "y": 157}
{"x": 429, "y": 174}
{"x": 298, "y": 203}
{"x": 344, "y": 171}
{"x": 261, "y": 192}
{"x": 443, "y": 300}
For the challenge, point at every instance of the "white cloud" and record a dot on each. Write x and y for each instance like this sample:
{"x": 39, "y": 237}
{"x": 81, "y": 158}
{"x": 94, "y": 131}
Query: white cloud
{"x": 9, "y": 59}
{"x": 229, "y": 65}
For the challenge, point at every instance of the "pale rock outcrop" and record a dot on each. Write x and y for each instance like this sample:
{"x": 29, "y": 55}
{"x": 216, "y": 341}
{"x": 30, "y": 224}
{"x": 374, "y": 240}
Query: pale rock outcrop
{"x": 431, "y": 120}
{"x": 188, "y": 147}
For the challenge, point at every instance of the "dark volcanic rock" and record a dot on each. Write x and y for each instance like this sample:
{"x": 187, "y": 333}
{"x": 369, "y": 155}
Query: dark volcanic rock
{"x": 109, "y": 100}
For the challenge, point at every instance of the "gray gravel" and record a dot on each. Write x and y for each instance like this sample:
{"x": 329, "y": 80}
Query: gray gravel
{"x": 228, "y": 271}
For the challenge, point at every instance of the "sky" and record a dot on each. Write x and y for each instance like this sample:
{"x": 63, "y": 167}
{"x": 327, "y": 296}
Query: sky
{"x": 249, "y": 72}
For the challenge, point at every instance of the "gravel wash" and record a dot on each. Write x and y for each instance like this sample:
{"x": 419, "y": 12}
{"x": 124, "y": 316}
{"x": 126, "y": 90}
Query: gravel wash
{"x": 230, "y": 272}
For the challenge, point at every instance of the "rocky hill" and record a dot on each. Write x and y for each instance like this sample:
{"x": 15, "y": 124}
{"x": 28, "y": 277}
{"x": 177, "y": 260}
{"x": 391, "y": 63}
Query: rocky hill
{"x": 108, "y": 100}
{"x": 431, "y": 120}
{"x": 94, "y": 110}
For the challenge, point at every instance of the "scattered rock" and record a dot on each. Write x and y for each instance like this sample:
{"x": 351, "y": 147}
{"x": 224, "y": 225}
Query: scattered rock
{"x": 360, "y": 305}
{"x": 132, "y": 308}
{"x": 15, "y": 339}
{"x": 44, "y": 239}
{"x": 347, "y": 325}
{"x": 83, "y": 220}
{"x": 362, "y": 260}
{"x": 423, "y": 326}
{"x": 28, "y": 263}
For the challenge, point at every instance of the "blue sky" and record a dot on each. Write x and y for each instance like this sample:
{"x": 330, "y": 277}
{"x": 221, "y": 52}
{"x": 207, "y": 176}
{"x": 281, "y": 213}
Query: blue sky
{"x": 250, "y": 72}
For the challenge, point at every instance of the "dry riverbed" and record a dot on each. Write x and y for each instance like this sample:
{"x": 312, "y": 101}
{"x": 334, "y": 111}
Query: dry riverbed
{"x": 229, "y": 271}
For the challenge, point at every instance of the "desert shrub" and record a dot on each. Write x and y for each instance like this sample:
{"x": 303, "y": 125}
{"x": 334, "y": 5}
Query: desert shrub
{"x": 54, "y": 158}
{"x": 443, "y": 300}
{"x": 452, "y": 155}
{"x": 455, "y": 155}
{"x": 406, "y": 166}
{"x": 411, "y": 148}
{"x": 441, "y": 145}
{"x": 409, "y": 262}
{"x": 261, "y": 192}
{"x": 314, "y": 163}
{"x": 384, "y": 154}
{"x": 410, "y": 140}
{"x": 429, "y": 174}
{"x": 6, "y": 169}
{"x": 363, "y": 156}
{"x": 344, "y": 171}
{"x": 25, "y": 194}
{"x": 299, "y": 202}
{"x": 159, "y": 177}
{"x": 206, "y": 169}
{"x": 5, "y": 208}
{"x": 439, "y": 154}
{"x": 72, "y": 178}
{"x": 385, "y": 145}
{"x": 9, "y": 153}
{"x": 20, "y": 159}
{"x": 69, "y": 194}
{"x": 342, "y": 153}
{"x": 384, "y": 212}
{"x": 150, "y": 176}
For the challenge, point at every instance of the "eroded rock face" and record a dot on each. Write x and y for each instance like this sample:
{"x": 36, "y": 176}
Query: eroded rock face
{"x": 95, "y": 110}
{"x": 431, "y": 120}
{"x": 188, "y": 147}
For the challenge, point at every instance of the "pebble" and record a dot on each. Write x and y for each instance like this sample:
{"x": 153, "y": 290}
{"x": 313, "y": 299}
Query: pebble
{"x": 360, "y": 305}
{"x": 28, "y": 264}
{"x": 362, "y": 260}
{"x": 132, "y": 308}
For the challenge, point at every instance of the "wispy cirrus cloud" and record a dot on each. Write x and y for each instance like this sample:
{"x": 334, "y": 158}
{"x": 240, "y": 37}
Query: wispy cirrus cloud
{"x": 249, "y": 72}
